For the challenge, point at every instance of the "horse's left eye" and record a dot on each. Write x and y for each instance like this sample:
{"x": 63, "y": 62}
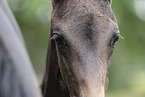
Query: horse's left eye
{"x": 115, "y": 39}
{"x": 59, "y": 39}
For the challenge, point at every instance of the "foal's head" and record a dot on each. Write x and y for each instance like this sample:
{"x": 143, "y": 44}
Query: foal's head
{"x": 85, "y": 33}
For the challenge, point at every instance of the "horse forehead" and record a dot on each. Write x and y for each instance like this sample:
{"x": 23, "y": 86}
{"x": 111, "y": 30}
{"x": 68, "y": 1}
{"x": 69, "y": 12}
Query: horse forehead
{"x": 84, "y": 19}
{"x": 82, "y": 9}
{"x": 88, "y": 33}
{"x": 77, "y": 7}
{"x": 90, "y": 5}
{"x": 87, "y": 25}
{"x": 87, "y": 3}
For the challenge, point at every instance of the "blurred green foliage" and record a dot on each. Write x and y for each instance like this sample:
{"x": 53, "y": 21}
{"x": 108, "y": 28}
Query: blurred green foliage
{"x": 127, "y": 73}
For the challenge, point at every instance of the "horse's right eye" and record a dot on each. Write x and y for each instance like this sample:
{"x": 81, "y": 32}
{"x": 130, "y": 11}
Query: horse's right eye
{"x": 56, "y": 37}
{"x": 59, "y": 39}
{"x": 115, "y": 38}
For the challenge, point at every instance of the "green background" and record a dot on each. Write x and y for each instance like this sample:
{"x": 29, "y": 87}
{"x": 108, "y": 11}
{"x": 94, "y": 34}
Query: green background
{"x": 127, "y": 73}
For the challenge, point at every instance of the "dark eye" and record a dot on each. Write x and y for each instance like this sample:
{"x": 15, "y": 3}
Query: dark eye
{"x": 115, "y": 38}
{"x": 59, "y": 39}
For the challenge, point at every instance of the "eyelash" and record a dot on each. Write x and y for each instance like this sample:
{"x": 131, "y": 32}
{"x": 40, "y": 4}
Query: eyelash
{"x": 115, "y": 39}
{"x": 59, "y": 39}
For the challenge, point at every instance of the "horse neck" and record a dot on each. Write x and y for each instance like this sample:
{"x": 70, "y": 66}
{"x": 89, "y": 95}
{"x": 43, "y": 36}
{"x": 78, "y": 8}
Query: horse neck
{"x": 53, "y": 85}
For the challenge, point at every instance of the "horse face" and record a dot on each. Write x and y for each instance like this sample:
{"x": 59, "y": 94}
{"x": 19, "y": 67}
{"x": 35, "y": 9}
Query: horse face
{"x": 85, "y": 33}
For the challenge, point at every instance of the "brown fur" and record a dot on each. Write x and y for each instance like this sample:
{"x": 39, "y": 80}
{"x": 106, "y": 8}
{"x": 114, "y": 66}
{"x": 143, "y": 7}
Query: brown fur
{"x": 80, "y": 69}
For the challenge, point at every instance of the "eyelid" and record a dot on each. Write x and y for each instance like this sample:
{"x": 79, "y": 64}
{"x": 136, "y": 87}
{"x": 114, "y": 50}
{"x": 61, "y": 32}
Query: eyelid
{"x": 57, "y": 33}
{"x": 118, "y": 34}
